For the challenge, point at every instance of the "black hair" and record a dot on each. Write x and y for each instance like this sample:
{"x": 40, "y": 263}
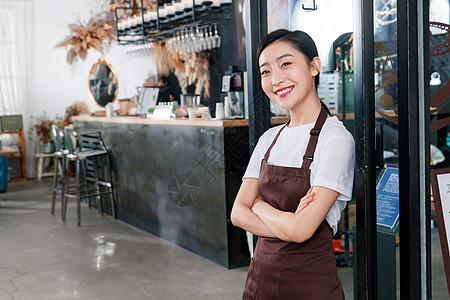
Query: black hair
{"x": 299, "y": 40}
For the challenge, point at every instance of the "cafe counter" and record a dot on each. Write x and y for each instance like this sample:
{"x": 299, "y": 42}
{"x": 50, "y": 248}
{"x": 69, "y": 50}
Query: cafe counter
{"x": 178, "y": 179}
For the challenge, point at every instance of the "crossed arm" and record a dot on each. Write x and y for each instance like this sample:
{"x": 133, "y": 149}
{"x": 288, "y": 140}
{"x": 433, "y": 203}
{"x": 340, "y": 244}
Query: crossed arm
{"x": 252, "y": 213}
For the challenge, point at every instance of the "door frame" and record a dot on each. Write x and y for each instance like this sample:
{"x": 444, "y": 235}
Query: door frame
{"x": 365, "y": 166}
{"x": 414, "y": 139}
{"x": 414, "y": 149}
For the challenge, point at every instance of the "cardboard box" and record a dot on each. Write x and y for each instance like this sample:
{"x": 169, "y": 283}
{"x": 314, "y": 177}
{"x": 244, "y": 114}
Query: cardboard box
{"x": 11, "y": 123}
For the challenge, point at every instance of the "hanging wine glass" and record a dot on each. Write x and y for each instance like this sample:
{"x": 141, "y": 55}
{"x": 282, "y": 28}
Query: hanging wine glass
{"x": 216, "y": 37}
{"x": 209, "y": 39}
{"x": 198, "y": 40}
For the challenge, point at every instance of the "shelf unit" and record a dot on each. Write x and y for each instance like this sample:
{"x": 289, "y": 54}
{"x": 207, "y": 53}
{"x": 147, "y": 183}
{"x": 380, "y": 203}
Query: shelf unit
{"x": 163, "y": 28}
{"x": 21, "y": 154}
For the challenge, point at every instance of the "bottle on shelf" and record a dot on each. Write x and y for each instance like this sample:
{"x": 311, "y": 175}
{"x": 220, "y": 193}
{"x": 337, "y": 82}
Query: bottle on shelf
{"x": 187, "y": 5}
{"x": 126, "y": 24}
{"x": 120, "y": 27}
{"x": 170, "y": 10}
{"x": 162, "y": 14}
{"x": 178, "y": 7}
{"x": 207, "y": 3}
{"x": 134, "y": 21}
{"x": 198, "y": 4}
{"x": 225, "y": 3}
{"x": 215, "y": 4}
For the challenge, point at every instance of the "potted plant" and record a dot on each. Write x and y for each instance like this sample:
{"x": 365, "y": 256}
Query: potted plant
{"x": 43, "y": 131}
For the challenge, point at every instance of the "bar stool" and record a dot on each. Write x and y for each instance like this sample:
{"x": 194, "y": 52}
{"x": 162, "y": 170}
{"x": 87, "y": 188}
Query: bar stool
{"x": 59, "y": 165}
{"x": 92, "y": 157}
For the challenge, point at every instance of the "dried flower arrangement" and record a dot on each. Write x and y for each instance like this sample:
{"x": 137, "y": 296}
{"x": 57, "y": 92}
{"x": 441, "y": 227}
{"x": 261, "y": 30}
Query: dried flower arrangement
{"x": 95, "y": 34}
{"x": 43, "y": 127}
{"x": 78, "y": 108}
{"x": 197, "y": 70}
{"x": 166, "y": 61}
{"x": 190, "y": 68}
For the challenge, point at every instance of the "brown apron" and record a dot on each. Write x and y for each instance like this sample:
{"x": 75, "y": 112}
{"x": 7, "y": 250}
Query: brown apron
{"x": 286, "y": 270}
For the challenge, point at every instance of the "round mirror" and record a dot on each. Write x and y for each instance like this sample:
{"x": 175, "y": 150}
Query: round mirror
{"x": 103, "y": 87}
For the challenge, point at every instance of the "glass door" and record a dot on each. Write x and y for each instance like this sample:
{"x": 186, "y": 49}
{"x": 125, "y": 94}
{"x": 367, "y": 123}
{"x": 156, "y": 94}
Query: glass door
{"x": 392, "y": 113}
{"x": 439, "y": 87}
{"x": 376, "y": 55}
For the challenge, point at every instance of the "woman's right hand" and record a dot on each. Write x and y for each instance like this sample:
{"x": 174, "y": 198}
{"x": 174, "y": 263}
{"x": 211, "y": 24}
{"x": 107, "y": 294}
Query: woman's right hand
{"x": 242, "y": 214}
{"x": 304, "y": 202}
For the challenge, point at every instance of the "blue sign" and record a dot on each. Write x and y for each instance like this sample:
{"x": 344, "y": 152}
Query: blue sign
{"x": 388, "y": 198}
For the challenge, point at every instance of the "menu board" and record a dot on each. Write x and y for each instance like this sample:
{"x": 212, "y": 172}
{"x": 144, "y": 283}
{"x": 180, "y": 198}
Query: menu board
{"x": 440, "y": 182}
{"x": 147, "y": 100}
{"x": 388, "y": 198}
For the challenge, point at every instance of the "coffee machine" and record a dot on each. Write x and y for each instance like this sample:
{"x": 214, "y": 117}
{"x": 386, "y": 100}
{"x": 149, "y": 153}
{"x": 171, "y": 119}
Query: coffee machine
{"x": 233, "y": 85}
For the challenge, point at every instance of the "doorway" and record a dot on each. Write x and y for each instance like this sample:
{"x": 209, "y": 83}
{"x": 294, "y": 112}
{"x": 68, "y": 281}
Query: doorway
{"x": 377, "y": 54}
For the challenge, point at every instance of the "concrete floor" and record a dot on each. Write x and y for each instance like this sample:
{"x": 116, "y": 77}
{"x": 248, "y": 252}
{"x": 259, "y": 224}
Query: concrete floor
{"x": 42, "y": 257}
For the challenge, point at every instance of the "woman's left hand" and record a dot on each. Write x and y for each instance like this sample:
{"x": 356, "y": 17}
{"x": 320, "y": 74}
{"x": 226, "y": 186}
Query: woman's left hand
{"x": 305, "y": 201}
{"x": 256, "y": 202}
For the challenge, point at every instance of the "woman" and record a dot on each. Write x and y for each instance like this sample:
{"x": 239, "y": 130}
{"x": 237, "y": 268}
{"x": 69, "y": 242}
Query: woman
{"x": 298, "y": 180}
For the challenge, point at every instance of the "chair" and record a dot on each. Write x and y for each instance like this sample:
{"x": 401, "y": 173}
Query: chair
{"x": 59, "y": 164}
{"x": 92, "y": 170}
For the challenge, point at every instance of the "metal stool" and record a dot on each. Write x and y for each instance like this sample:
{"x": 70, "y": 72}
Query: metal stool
{"x": 93, "y": 177}
{"x": 58, "y": 163}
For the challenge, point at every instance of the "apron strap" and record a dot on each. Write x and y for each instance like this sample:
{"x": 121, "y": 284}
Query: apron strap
{"x": 309, "y": 153}
{"x": 266, "y": 156}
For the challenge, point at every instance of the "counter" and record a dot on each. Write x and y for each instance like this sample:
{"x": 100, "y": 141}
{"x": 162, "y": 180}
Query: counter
{"x": 178, "y": 179}
{"x": 177, "y": 121}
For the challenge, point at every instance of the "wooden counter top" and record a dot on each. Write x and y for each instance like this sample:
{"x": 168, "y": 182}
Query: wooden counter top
{"x": 198, "y": 122}
{"x": 177, "y": 121}
{"x": 5, "y": 150}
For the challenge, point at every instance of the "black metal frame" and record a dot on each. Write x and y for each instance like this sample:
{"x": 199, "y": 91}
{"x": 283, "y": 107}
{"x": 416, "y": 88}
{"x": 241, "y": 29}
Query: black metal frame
{"x": 411, "y": 21}
{"x": 365, "y": 183}
{"x": 258, "y": 103}
{"x": 425, "y": 6}
{"x": 222, "y": 14}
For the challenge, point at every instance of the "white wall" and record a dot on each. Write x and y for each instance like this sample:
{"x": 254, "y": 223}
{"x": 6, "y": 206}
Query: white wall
{"x": 57, "y": 84}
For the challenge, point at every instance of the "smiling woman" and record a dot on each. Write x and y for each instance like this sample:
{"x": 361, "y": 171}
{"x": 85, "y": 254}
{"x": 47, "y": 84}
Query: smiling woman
{"x": 298, "y": 180}
{"x": 285, "y": 64}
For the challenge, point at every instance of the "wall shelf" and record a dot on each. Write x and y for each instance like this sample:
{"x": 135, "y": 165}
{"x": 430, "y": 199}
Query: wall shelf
{"x": 144, "y": 25}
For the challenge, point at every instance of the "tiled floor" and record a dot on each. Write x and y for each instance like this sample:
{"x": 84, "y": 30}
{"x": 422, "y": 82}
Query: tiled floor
{"x": 42, "y": 257}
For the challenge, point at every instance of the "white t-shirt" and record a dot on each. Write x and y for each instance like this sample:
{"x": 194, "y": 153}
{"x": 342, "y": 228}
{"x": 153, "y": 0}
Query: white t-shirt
{"x": 333, "y": 164}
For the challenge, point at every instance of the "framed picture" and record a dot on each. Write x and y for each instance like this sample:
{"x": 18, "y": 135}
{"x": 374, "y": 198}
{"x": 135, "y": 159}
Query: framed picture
{"x": 440, "y": 183}
{"x": 148, "y": 97}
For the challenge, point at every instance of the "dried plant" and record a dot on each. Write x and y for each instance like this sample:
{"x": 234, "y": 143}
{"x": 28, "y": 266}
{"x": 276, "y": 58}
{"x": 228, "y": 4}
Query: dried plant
{"x": 78, "y": 108}
{"x": 93, "y": 35}
{"x": 165, "y": 60}
{"x": 44, "y": 124}
{"x": 197, "y": 71}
